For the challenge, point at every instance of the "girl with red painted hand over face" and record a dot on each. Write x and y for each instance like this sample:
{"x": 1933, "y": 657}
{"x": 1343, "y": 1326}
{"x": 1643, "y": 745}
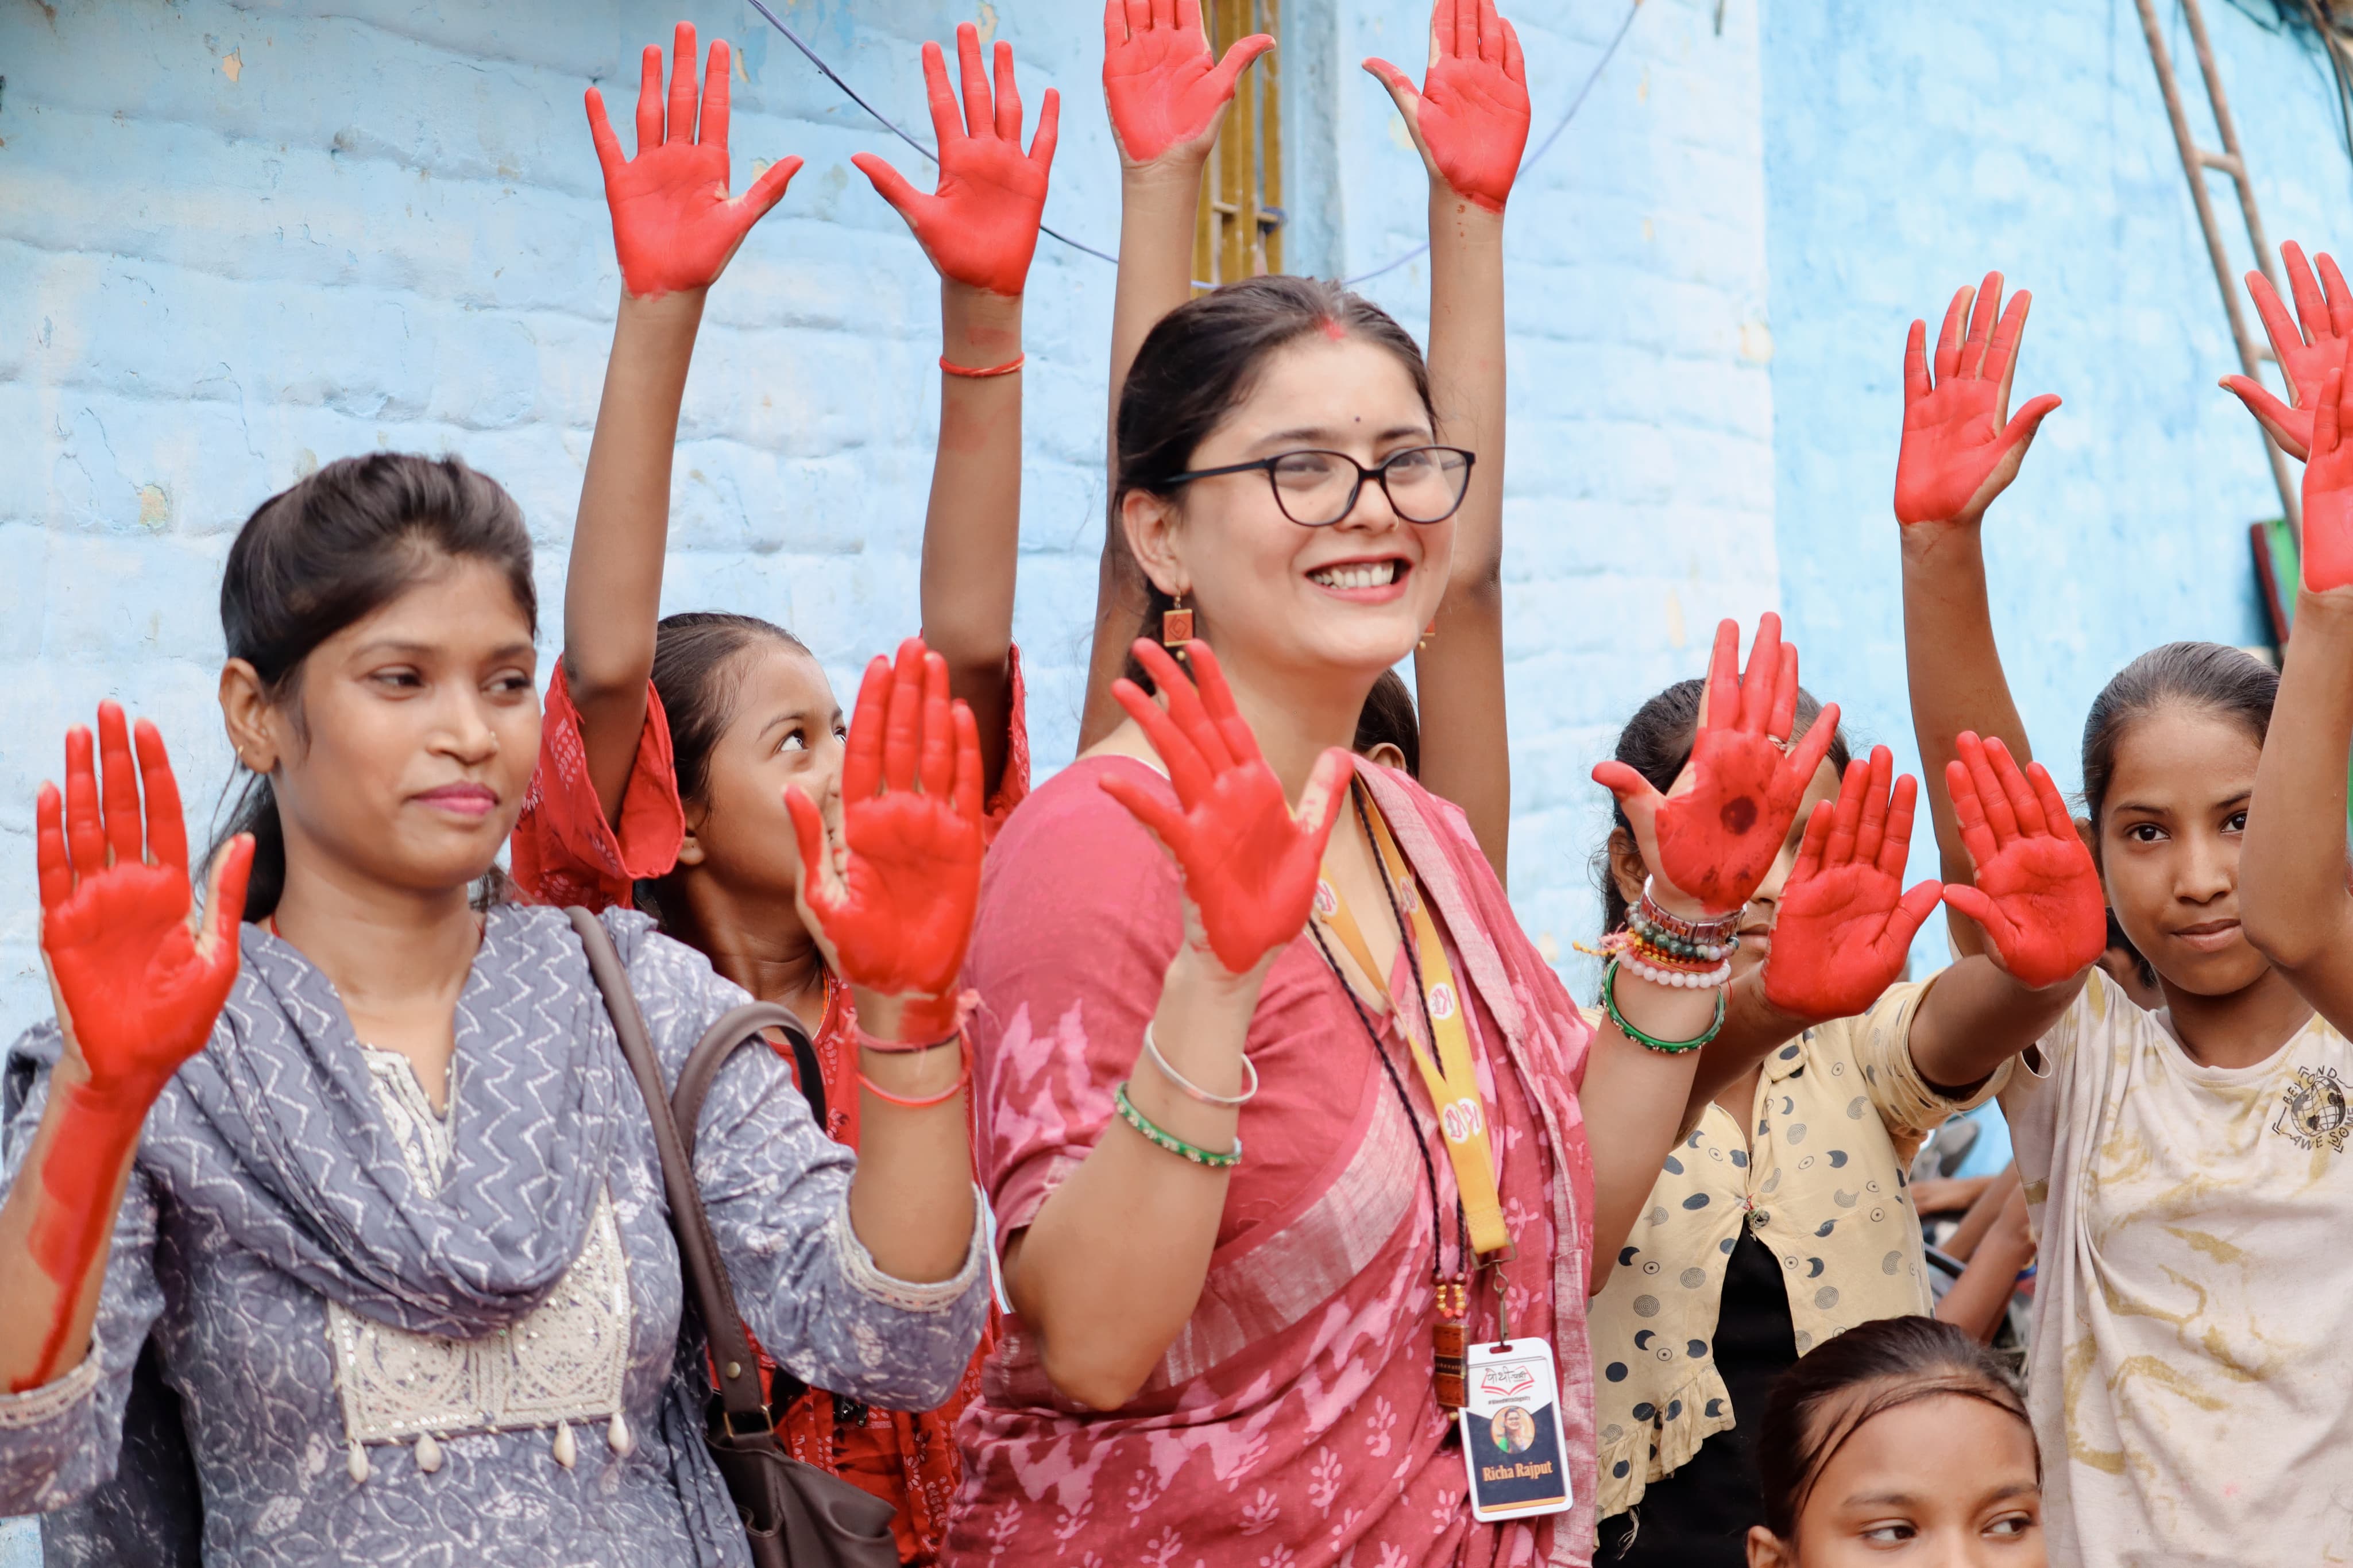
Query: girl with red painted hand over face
{"x": 670, "y": 743}
{"x": 2180, "y": 1166}
{"x": 1782, "y": 1218}
{"x": 1282, "y": 1108}
{"x": 393, "y": 1223}
{"x": 1168, "y": 96}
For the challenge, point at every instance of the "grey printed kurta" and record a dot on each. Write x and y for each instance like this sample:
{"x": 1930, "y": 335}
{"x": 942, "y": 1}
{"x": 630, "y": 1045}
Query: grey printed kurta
{"x": 293, "y": 1380}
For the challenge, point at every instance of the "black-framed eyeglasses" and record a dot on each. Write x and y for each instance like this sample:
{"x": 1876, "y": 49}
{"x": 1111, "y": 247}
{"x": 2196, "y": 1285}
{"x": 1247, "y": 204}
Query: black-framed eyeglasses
{"x": 1316, "y": 490}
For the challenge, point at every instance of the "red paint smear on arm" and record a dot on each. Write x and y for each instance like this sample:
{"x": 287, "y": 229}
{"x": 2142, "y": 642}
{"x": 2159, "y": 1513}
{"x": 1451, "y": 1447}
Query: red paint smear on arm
{"x": 81, "y": 1175}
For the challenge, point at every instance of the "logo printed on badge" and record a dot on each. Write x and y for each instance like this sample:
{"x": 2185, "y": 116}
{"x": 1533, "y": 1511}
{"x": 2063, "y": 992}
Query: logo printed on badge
{"x": 1506, "y": 1380}
{"x": 1442, "y": 1000}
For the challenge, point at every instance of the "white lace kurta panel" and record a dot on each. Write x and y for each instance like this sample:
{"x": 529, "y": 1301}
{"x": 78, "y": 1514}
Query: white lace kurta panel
{"x": 564, "y": 1362}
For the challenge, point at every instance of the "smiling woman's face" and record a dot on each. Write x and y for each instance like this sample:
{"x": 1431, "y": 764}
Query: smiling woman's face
{"x": 402, "y": 756}
{"x": 1350, "y": 599}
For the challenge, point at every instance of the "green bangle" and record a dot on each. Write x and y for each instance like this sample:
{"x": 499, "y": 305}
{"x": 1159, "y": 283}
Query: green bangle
{"x": 1174, "y": 1145}
{"x": 1664, "y": 1047}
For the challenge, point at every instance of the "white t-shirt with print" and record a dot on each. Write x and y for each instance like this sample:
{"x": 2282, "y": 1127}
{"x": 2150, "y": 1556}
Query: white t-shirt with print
{"x": 2192, "y": 1383}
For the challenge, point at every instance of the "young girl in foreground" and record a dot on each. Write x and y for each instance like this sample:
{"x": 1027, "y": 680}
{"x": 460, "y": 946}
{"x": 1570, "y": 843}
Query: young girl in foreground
{"x": 670, "y": 743}
{"x": 1784, "y": 1217}
{"x": 1900, "y": 1441}
{"x": 371, "y": 1170}
{"x": 2187, "y": 1167}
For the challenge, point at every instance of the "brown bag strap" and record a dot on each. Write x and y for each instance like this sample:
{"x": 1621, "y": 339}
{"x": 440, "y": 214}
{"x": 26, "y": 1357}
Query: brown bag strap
{"x": 719, "y": 1042}
{"x": 697, "y": 1251}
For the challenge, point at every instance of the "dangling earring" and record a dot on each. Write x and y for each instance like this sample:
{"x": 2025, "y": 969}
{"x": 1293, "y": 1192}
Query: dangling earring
{"x": 1427, "y": 632}
{"x": 1176, "y": 625}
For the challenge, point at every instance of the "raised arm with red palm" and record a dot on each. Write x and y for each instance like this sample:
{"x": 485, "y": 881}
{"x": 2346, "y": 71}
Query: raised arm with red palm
{"x": 1714, "y": 842}
{"x": 1845, "y": 922}
{"x": 1166, "y": 91}
{"x": 137, "y": 985}
{"x": 1249, "y": 862}
{"x": 1469, "y": 118}
{"x": 980, "y": 226}
{"x": 1961, "y": 446}
{"x": 2038, "y": 894}
{"x": 675, "y": 227}
{"x": 894, "y": 914}
{"x": 2305, "y": 355}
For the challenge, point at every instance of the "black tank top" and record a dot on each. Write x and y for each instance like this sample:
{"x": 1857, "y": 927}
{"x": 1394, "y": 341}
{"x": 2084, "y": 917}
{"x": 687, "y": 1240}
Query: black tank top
{"x": 1699, "y": 1517}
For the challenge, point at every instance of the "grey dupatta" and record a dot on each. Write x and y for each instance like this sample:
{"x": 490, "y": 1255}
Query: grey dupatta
{"x": 282, "y": 1137}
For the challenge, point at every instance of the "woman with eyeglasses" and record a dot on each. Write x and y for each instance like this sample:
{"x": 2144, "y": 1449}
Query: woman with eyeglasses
{"x": 1284, "y": 1116}
{"x": 1168, "y": 96}
{"x": 1261, "y": 1177}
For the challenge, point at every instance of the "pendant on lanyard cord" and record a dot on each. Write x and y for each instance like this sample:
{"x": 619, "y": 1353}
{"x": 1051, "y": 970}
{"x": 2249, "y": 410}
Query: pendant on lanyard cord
{"x": 1451, "y": 1076}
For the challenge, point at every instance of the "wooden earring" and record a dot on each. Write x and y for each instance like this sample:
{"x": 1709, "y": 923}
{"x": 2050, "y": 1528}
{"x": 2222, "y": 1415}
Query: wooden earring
{"x": 1176, "y": 625}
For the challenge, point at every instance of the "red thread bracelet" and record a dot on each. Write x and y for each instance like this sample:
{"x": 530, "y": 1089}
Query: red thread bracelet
{"x": 883, "y": 1047}
{"x": 964, "y": 1077}
{"x": 1007, "y": 368}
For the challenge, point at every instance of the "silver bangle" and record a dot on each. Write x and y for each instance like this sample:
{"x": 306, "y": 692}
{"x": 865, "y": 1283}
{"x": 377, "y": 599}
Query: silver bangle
{"x": 1194, "y": 1091}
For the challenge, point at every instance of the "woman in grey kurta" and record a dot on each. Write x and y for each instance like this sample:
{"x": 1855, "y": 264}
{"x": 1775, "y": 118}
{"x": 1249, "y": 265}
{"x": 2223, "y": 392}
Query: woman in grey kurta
{"x": 414, "y": 1281}
{"x": 344, "y": 1284}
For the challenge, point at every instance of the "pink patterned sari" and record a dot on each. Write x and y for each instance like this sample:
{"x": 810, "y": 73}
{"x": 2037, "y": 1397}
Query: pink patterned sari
{"x": 1294, "y": 1422}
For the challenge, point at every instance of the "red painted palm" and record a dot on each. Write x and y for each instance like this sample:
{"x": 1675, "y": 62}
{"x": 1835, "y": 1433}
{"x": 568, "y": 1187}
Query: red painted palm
{"x": 1845, "y": 922}
{"x": 1249, "y": 861}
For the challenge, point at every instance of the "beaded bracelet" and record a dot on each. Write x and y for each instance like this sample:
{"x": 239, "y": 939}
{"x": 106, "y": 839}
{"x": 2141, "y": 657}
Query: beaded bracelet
{"x": 1664, "y": 1047}
{"x": 1661, "y": 968}
{"x": 1675, "y": 945}
{"x": 1680, "y": 979}
{"x": 1194, "y": 1092}
{"x": 1169, "y": 1140}
{"x": 1713, "y": 930}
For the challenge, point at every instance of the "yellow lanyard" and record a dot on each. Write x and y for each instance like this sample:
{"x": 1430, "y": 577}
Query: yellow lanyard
{"x": 1452, "y": 1078}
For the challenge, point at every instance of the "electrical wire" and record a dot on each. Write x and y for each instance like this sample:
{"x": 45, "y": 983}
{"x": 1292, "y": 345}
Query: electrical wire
{"x": 1542, "y": 147}
{"x": 894, "y": 127}
{"x": 1527, "y": 163}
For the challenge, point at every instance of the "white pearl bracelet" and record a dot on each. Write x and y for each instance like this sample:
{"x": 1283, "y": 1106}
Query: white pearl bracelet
{"x": 1683, "y": 980}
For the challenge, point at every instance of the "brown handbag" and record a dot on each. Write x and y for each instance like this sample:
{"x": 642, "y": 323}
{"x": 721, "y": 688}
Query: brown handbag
{"x": 794, "y": 1515}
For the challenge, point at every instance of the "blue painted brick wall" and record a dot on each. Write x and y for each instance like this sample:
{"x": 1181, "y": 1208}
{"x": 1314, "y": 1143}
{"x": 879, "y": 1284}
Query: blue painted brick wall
{"x": 237, "y": 242}
{"x": 1910, "y": 148}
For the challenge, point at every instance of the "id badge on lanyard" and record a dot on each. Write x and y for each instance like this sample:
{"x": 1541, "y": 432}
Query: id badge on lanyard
{"x": 1511, "y": 1443}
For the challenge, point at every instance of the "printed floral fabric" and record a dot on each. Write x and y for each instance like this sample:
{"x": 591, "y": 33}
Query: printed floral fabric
{"x": 272, "y": 1191}
{"x": 565, "y": 852}
{"x": 1294, "y": 1422}
{"x": 1840, "y": 1112}
{"x": 2194, "y": 1327}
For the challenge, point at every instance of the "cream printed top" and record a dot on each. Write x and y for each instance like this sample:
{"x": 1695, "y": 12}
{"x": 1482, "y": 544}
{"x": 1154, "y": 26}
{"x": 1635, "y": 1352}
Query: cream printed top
{"x": 1840, "y": 1112}
{"x": 2193, "y": 1344}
